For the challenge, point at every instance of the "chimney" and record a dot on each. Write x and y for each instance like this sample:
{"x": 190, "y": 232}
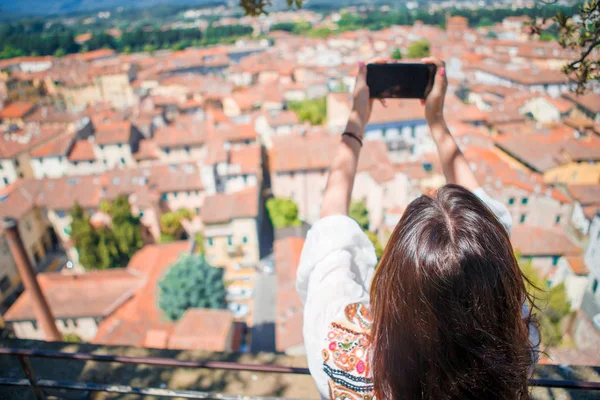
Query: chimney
{"x": 41, "y": 309}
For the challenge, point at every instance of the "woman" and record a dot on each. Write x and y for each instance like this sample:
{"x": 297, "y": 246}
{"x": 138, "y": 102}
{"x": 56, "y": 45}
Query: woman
{"x": 445, "y": 316}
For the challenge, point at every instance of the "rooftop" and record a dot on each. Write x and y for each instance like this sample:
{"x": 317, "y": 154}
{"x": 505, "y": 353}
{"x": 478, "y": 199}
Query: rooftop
{"x": 222, "y": 208}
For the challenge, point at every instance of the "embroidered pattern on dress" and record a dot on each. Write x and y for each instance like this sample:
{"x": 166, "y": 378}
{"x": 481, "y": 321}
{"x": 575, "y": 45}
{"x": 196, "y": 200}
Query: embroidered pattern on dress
{"x": 346, "y": 358}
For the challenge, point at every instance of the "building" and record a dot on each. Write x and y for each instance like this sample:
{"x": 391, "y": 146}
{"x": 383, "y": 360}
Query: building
{"x": 289, "y": 309}
{"x": 79, "y": 302}
{"x": 587, "y": 205}
{"x": 14, "y": 114}
{"x": 115, "y": 143}
{"x": 181, "y": 141}
{"x": 534, "y": 80}
{"x": 52, "y": 159}
{"x": 573, "y": 272}
{"x": 543, "y": 247}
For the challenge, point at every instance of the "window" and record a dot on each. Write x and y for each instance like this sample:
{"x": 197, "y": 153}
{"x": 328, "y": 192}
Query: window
{"x": 210, "y": 241}
{"x": 197, "y": 209}
{"x": 229, "y": 240}
{"x": 75, "y": 163}
{"x": 522, "y": 219}
{"x": 558, "y": 217}
{"x": 187, "y": 149}
{"x": 245, "y": 239}
{"x": 120, "y": 146}
{"x": 5, "y": 180}
{"x": 28, "y": 226}
{"x": 167, "y": 150}
{"x": 524, "y": 200}
{"x": 174, "y": 195}
{"x": 555, "y": 260}
{"x": 595, "y": 286}
{"x": 292, "y": 174}
{"x": 122, "y": 161}
{"x": 511, "y": 201}
{"x": 101, "y": 147}
{"x": 188, "y": 193}
{"x": 4, "y": 284}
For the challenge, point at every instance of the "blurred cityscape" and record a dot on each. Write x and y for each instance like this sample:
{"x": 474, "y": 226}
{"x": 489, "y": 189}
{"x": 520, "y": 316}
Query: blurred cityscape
{"x": 164, "y": 163}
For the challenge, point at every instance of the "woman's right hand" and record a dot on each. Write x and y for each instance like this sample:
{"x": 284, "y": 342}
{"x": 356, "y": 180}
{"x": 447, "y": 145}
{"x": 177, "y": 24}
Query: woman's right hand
{"x": 434, "y": 103}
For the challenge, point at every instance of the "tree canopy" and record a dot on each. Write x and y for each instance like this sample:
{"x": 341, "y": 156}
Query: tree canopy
{"x": 283, "y": 212}
{"x": 191, "y": 283}
{"x": 313, "y": 111}
{"x": 418, "y": 49}
{"x": 358, "y": 212}
{"x": 553, "y": 306}
{"x": 397, "y": 54}
{"x": 106, "y": 247}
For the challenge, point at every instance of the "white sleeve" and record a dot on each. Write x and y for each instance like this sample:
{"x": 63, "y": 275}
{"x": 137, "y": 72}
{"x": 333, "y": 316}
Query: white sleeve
{"x": 499, "y": 209}
{"x": 505, "y": 219}
{"x": 336, "y": 268}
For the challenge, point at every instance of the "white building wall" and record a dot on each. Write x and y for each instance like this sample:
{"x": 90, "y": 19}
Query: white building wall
{"x": 592, "y": 257}
{"x": 49, "y": 167}
{"x": 115, "y": 155}
{"x": 177, "y": 155}
{"x": 8, "y": 172}
{"x": 91, "y": 167}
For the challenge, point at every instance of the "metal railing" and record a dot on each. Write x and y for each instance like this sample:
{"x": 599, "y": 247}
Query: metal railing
{"x": 38, "y": 385}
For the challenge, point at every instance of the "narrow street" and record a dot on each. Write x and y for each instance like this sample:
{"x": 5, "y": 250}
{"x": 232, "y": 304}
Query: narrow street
{"x": 263, "y": 327}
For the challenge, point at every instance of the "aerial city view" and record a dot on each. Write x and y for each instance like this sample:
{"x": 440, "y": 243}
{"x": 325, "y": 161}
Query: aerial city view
{"x": 161, "y": 163}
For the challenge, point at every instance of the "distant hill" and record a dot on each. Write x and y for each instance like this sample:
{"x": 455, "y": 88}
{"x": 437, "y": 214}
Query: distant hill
{"x": 21, "y": 8}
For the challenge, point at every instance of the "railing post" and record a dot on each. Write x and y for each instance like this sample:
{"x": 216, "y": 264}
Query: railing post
{"x": 37, "y": 391}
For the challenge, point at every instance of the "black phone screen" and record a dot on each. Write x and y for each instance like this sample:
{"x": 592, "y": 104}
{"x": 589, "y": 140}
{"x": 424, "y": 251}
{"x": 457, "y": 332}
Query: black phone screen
{"x": 405, "y": 81}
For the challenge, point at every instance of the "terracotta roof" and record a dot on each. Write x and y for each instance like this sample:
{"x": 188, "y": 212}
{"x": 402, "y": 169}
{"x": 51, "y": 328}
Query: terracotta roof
{"x": 16, "y": 110}
{"x": 62, "y": 193}
{"x": 289, "y": 314}
{"x": 589, "y": 101}
{"x": 245, "y": 160}
{"x": 374, "y": 160}
{"x": 216, "y": 152}
{"x": 536, "y": 241}
{"x": 397, "y": 110}
{"x": 26, "y": 140}
{"x": 222, "y": 208}
{"x": 531, "y": 76}
{"x": 91, "y": 294}
{"x": 203, "y": 329}
{"x": 146, "y": 151}
{"x": 113, "y": 132}
{"x": 236, "y": 133}
{"x": 282, "y": 118}
{"x": 83, "y": 150}
{"x": 95, "y": 54}
{"x": 47, "y": 115}
{"x": 19, "y": 198}
{"x": 58, "y": 146}
{"x": 185, "y": 131}
{"x": 300, "y": 153}
{"x": 585, "y": 194}
{"x": 129, "y": 325}
{"x": 577, "y": 265}
{"x": 176, "y": 178}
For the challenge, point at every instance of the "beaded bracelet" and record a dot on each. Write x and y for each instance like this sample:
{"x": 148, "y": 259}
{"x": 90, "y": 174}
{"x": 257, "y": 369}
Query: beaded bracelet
{"x": 354, "y": 136}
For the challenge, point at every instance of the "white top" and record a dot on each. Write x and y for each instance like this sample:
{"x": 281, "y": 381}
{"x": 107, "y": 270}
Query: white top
{"x": 333, "y": 281}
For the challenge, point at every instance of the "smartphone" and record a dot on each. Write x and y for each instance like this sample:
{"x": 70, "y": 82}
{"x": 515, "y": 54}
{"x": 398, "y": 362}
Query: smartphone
{"x": 400, "y": 81}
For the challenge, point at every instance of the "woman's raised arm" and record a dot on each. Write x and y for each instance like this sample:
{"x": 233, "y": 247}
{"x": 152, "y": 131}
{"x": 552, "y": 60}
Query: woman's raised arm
{"x": 336, "y": 199}
{"x": 454, "y": 164}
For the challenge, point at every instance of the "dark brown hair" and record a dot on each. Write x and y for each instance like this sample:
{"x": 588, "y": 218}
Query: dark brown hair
{"x": 447, "y": 303}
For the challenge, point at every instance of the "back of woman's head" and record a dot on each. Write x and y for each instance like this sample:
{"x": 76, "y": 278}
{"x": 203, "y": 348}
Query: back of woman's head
{"x": 447, "y": 300}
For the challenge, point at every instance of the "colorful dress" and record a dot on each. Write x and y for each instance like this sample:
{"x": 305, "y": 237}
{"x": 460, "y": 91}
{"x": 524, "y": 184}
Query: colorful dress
{"x": 333, "y": 280}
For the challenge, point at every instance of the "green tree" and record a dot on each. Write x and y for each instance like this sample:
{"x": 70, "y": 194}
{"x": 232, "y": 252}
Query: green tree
{"x": 313, "y": 111}
{"x": 491, "y": 35}
{"x": 547, "y": 37}
{"x": 85, "y": 239}
{"x": 171, "y": 227}
{"x": 283, "y": 212}
{"x": 553, "y": 306}
{"x": 418, "y": 49}
{"x": 59, "y": 53}
{"x": 126, "y": 229}
{"x": 359, "y": 213}
{"x": 396, "y": 54}
{"x": 376, "y": 243}
{"x": 190, "y": 283}
{"x": 200, "y": 243}
{"x": 485, "y": 21}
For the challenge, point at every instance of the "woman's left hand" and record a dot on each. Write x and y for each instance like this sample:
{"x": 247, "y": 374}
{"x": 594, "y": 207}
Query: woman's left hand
{"x": 362, "y": 104}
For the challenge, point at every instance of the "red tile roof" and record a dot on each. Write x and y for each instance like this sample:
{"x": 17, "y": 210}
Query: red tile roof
{"x": 16, "y": 110}
{"x": 19, "y": 198}
{"x": 282, "y": 118}
{"x": 26, "y": 140}
{"x": 83, "y": 150}
{"x": 236, "y": 133}
{"x": 397, "y": 110}
{"x": 222, "y": 208}
{"x": 130, "y": 324}
{"x": 147, "y": 150}
{"x": 245, "y": 160}
{"x": 91, "y": 294}
{"x": 532, "y": 76}
{"x": 95, "y": 54}
{"x": 175, "y": 178}
{"x": 585, "y": 194}
{"x": 203, "y": 329}
{"x": 58, "y": 146}
{"x": 298, "y": 153}
{"x": 577, "y": 265}
{"x": 185, "y": 131}
{"x": 536, "y": 241}
{"x": 289, "y": 313}
{"x": 113, "y": 132}
{"x": 589, "y": 101}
